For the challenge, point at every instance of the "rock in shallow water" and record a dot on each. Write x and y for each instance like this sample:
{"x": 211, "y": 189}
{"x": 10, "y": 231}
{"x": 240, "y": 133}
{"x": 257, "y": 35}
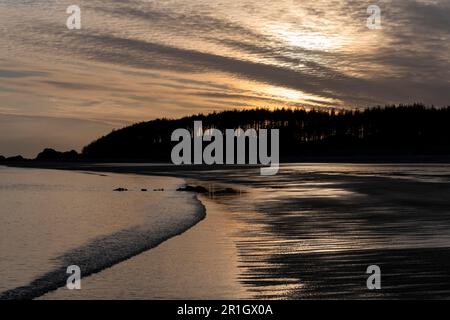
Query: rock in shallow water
{"x": 198, "y": 189}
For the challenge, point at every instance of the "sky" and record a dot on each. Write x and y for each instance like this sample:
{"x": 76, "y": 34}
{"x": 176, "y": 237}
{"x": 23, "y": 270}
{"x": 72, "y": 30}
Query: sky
{"x": 137, "y": 60}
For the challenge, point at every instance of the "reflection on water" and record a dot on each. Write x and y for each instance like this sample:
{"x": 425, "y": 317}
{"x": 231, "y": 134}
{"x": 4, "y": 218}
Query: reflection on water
{"x": 199, "y": 264}
{"x": 312, "y": 230}
{"x": 52, "y": 219}
{"x": 309, "y": 232}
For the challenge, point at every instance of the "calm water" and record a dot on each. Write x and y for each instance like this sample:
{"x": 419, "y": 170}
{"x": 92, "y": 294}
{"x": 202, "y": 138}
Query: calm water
{"x": 52, "y": 219}
{"x": 309, "y": 232}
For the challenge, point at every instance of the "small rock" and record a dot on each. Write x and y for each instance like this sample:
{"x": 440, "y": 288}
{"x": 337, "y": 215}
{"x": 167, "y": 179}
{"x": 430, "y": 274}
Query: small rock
{"x": 161, "y": 189}
{"x": 143, "y": 189}
{"x": 121, "y": 189}
{"x": 198, "y": 189}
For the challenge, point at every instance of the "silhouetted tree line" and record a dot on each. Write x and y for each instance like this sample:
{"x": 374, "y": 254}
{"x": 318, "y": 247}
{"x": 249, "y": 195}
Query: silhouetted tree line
{"x": 381, "y": 131}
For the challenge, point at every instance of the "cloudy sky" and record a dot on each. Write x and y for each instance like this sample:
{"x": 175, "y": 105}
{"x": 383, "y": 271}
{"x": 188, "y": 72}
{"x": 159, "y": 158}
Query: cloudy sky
{"x": 136, "y": 60}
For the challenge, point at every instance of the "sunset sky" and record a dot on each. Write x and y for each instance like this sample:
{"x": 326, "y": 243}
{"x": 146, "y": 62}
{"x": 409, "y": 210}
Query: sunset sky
{"x": 136, "y": 60}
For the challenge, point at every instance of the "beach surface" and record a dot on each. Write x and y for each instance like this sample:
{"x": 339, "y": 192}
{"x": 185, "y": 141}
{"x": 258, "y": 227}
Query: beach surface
{"x": 201, "y": 263}
{"x": 53, "y": 219}
{"x": 309, "y": 232}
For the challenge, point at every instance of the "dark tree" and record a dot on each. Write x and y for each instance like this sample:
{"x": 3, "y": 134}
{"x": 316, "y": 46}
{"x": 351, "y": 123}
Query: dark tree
{"x": 381, "y": 131}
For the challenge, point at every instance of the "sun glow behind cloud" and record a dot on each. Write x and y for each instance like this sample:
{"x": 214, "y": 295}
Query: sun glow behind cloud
{"x": 135, "y": 60}
{"x": 308, "y": 41}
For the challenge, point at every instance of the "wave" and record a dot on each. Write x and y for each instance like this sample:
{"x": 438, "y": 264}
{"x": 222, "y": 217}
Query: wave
{"x": 106, "y": 251}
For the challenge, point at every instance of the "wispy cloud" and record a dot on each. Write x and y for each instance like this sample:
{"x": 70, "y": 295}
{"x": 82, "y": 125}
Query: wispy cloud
{"x": 135, "y": 60}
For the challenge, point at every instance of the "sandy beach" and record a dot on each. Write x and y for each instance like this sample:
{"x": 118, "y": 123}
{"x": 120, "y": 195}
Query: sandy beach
{"x": 308, "y": 233}
{"x": 201, "y": 263}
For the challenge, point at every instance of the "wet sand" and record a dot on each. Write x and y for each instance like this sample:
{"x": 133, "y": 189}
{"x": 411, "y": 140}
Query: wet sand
{"x": 308, "y": 233}
{"x": 201, "y": 263}
{"x": 51, "y": 219}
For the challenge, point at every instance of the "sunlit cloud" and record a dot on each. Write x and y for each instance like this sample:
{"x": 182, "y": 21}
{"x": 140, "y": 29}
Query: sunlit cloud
{"x": 137, "y": 60}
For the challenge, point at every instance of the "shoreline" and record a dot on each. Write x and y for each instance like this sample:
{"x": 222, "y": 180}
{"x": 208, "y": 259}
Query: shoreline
{"x": 118, "y": 163}
{"x": 211, "y": 233}
{"x": 200, "y": 263}
{"x": 300, "y": 235}
{"x": 133, "y": 242}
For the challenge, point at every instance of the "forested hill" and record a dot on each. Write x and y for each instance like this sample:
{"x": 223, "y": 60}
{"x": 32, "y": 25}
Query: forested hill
{"x": 381, "y": 131}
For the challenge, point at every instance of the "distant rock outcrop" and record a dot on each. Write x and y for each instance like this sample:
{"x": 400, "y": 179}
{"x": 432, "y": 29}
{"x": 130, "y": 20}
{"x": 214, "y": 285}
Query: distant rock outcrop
{"x": 53, "y": 155}
{"x": 15, "y": 158}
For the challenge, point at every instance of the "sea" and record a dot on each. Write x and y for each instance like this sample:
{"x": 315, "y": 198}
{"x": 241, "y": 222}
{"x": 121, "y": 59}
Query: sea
{"x": 311, "y": 231}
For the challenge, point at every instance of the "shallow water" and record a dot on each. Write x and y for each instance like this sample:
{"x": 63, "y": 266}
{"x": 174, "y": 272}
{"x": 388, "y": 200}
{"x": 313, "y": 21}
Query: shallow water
{"x": 309, "y": 232}
{"x": 201, "y": 263}
{"x": 52, "y": 219}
